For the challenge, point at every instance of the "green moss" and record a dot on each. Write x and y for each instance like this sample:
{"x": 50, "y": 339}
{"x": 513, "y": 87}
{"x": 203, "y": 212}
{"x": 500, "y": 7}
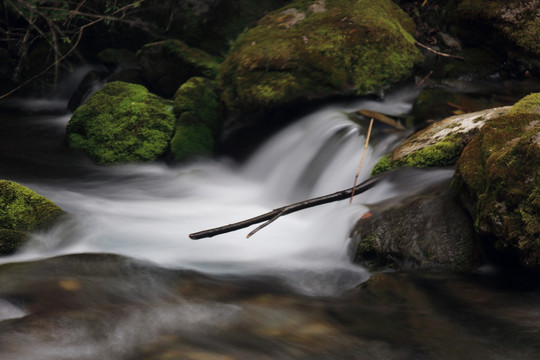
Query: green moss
{"x": 23, "y": 209}
{"x": 198, "y": 96}
{"x": 383, "y": 165}
{"x": 122, "y": 123}
{"x": 189, "y": 141}
{"x": 442, "y": 153}
{"x": 352, "y": 47}
{"x": 196, "y": 105}
{"x": 500, "y": 172}
{"x": 528, "y": 105}
{"x": 11, "y": 240}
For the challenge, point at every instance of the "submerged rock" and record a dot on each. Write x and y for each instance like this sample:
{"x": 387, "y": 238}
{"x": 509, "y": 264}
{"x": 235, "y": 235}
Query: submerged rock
{"x": 168, "y": 64}
{"x": 311, "y": 50}
{"x": 497, "y": 178}
{"x": 122, "y": 123}
{"x": 430, "y": 230}
{"x": 196, "y": 106}
{"x": 21, "y": 211}
{"x": 440, "y": 144}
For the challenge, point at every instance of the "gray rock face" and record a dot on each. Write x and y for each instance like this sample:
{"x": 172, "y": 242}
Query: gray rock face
{"x": 427, "y": 230}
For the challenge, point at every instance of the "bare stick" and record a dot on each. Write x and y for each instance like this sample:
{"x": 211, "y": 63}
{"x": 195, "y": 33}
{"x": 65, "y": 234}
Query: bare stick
{"x": 271, "y": 216}
{"x": 424, "y": 79}
{"x": 361, "y": 159}
{"x": 438, "y": 52}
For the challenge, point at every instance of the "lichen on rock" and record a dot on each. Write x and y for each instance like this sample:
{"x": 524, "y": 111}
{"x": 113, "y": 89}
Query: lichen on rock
{"x": 498, "y": 177}
{"x": 309, "y": 50}
{"x": 440, "y": 144}
{"x": 23, "y": 210}
{"x": 122, "y": 123}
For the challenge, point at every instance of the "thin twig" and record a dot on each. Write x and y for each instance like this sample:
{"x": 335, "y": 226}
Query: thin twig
{"x": 438, "y": 52}
{"x": 361, "y": 159}
{"x": 81, "y": 29}
{"x": 265, "y": 224}
{"x": 424, "y": 79}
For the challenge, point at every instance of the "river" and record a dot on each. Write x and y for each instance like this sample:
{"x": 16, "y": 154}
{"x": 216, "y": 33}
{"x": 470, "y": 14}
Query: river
{"x": 120, "y": 278}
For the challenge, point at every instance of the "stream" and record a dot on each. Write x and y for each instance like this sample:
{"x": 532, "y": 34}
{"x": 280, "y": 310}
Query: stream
{"x": 120, "y": 279}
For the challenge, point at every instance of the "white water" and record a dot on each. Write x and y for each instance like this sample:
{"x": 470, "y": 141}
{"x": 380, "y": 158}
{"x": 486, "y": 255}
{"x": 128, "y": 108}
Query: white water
{"x": 148, "y": 211}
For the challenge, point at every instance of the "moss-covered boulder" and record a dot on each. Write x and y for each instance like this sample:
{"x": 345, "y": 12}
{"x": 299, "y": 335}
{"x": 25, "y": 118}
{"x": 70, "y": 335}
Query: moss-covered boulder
{"x": 22, "y": 210}
{"x": 122, "y": 123}
{"x": 168, "y": 64}
{"x": 512, "y": 27}
{"x": 498, "y": 179}
{"x": 316, "y": 49}
{"x": 440, "y": 144}
{"x": 197, "y": 108}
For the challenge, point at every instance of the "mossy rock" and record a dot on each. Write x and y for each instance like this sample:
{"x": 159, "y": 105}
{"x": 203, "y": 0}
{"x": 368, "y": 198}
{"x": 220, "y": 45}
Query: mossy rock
{"x": 197, "y": 107}
{"x": 122, "y": 123}
{"x": 440, "y": 144}
{"x": 168, "y": 64}
{"x": 497, "y": 178}
{"x": 23, "y": 210}
{"x": 311, "y": 50}
{"x": 511, "y": 26}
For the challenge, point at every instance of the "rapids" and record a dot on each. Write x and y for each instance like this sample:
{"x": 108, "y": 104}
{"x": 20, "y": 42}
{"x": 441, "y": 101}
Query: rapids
{"x": 119, "y": 279}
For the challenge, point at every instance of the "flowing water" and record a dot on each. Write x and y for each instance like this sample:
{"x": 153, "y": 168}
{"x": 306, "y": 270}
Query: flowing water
{"x": 120, "y": 278}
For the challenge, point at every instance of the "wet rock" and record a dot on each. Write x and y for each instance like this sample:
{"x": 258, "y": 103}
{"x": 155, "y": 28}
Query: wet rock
{"x": 168, "y": 64}
{"x": 429, "y": 230}
{"x": 22, "y": 211}
{"x": 122, "y": 123}
{"x": 118, "y": 58}
{"x": 440, "y": 144}
{"x": 302, "y": 52}
{"x": 497, "y": 178}
{"x": 197, "y": 108}
{"x": 86, "y": 87}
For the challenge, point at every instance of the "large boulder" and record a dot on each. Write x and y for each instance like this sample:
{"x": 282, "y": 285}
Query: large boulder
{"x": 316, "y": 49}
{"x": 429, "y": 230}
{"x": 21, "y": 211}
{"x": 197, "y": 108}
{"x": 168, "y": 64}
{"x": 122, "y": 123}
{"x": 513, "y": 27}
{"x": 498, "y": 179}
{"x": 440, "y": 144}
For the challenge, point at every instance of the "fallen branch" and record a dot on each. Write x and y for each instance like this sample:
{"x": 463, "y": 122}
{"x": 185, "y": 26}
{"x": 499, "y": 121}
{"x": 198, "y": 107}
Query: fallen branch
{"x": 273, "y": 215}
{"x": 438, "y": 52}
{"x": 380, "y": 117}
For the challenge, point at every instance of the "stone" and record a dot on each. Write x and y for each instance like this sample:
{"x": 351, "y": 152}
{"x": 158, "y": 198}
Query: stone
{"x": 498, "y": 179}
{"x": 300, "y": 52}
{"x": 122, "y": 123}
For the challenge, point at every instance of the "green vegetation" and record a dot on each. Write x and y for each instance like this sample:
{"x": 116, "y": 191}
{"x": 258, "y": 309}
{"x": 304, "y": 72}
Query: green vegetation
{"x": 442, "y": 153}
{"x": 302, "y": 52}
{"x": 22, "y": 210}
{"x": 196, "y": 105}
{"x": 122, "y": 123}
{"x": 499, "y": 171}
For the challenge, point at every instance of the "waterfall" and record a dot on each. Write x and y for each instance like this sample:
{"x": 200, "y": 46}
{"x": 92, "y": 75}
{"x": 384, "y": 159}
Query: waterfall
{"x": 147, "y": 211}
